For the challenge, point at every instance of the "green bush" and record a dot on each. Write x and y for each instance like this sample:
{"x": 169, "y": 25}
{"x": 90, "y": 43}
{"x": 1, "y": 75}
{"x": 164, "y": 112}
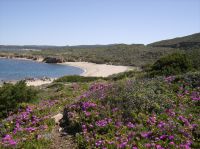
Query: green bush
{"x": 12, "y": 95}
{"x": 172, "y": 64}
{"x": 122, "y": 75}
{"x": 146, "y": 95}
{"x": 194, "y": 55}
{"x": 76, "y": 78}
{"x": 141, "y": 111}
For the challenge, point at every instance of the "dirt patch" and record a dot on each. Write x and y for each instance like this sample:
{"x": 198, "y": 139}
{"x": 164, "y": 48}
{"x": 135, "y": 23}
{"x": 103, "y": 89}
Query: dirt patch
{"x": 62, "y": 140}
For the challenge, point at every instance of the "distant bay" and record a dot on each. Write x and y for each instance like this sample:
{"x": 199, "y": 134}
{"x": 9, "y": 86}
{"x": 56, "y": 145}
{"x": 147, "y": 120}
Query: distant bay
{"x": 15, "y": 69}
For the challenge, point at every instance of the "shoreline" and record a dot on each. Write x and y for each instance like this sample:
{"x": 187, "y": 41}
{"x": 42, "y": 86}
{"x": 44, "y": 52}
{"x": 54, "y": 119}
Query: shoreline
{"x": 99, "y": 70}
{"x": 40, "y": 60}
{"x": 89, "y": 70}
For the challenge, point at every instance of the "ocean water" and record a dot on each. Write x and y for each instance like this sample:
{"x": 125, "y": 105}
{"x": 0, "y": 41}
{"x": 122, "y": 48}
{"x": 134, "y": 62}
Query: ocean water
{"x": 12, "y": 69}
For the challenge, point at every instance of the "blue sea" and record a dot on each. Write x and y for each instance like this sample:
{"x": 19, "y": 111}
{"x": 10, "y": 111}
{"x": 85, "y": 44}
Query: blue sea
{"x": 14, "y": 69}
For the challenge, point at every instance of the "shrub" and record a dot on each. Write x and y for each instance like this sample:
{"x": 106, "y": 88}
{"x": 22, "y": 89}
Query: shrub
{"x": 76, "y": 78}
{"x": 12, "y": 95}
{"x": 137, "y": 113}
{"x": 146, "y": 95}
{"x": 175, "y": 63}
{"x": 122, "y": 75}
{"x": 194, "y": 55}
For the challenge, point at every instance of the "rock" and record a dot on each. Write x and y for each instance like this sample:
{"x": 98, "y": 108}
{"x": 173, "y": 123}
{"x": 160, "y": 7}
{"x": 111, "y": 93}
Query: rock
{"x": 58, "y": 117}
{"x": 53, "y": 60}
{"x": 64, "y": 134}
{"x": 60, "y": 129}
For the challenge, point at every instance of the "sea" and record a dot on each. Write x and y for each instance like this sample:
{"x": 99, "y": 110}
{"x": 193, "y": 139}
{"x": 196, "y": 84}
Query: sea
{"x": 17, "y": 69}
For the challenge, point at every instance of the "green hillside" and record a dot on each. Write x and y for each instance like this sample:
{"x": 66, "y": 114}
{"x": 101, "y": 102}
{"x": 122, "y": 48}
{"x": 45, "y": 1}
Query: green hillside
{"x": 191, "y": 41}
{"x": 157, "y": 107}
{"x": 116, "y": 54}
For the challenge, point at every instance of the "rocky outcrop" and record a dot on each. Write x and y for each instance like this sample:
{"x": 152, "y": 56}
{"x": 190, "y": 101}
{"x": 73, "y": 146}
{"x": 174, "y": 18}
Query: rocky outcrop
{"x": 57, "y": 118}
{"x": 53, "y": 60}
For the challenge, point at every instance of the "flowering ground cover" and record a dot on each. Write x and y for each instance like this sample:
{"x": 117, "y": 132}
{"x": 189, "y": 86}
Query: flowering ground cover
{"x": 145, "y": 113}
{"x": 31, "y": 125}
{"x": 160, "y": 113}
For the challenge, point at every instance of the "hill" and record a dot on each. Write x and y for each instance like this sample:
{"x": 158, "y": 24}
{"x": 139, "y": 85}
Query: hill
{"x": 116, "y": 54}
{"x": 133, "y": 109}
{"x": 190, "y": 41}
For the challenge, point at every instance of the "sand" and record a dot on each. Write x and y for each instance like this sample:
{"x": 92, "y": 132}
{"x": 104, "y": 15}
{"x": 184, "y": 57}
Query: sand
{"x": 90, "y": 69}
{"x": 99, "y": 70}
{"x": 39, "y": 82}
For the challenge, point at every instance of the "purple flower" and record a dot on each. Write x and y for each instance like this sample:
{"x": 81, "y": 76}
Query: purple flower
{"x": 123, "y": 145}
{"x": 8, "y": 141}
{"x": 12, "y": 142}
{"x": 171, "y": 137}
{"x": 148, "y": 145}
{"x": 146, "y": 134}
{"x": 152, "y": 120}
{"x": 158, "y": 146}
{"x": 111, "y": 142}
{"x": 184, "y": 120}
{"x": 130, "y": 125}
{"x": 43, "y": 127}
{"x": 161, "y": 124}
{"x": 30, "y": 129}
{"x": 84, "y": 126}
{"x": 115, "y": 109}
{"x": 163, "y": 137}
{"x": 99, "y": 143}
{"x": 170, "y": 112}
{"x": 87, "y": 105}
{"x": 7, "y": 137}
{"x": 101, "y": 123}
{"x": 184, "y": 146}
{"x": 109, "y": 120}
{"x": 171, "y": 143}
{"x": 188, "y": 142}
{"x": 118, "y": 124}
{"x": 87, "y": 114}
{"x": 195, "y": 96}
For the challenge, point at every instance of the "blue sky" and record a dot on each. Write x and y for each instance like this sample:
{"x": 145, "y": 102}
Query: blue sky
{"x": 77, "y": 22}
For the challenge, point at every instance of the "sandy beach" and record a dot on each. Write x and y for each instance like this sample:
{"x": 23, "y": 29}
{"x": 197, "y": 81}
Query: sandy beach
{"x": 98, "y": 70}
{"x": 90, "y": 69}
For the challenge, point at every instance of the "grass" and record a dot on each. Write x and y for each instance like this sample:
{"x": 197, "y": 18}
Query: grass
{"x": 127, "y": 110}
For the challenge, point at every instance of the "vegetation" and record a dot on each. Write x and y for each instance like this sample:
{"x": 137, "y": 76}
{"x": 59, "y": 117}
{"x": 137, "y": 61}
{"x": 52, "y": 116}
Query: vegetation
{"x": 186, "y": 43}
{"x": 144, "y": 113}
{"x": 121, "y": 54}
{"x": 131, "y": 111}
{"x": 31, "y": 125}
{"x": 126, "y": 110}
{"x": 76, "y": 78}
{"x": 117, "y": 54}
{"x": 124, "y": 75}
{"x": 11, "y": 96}
{"x": 194, "y": 56}
{"x": 175, "y": 63}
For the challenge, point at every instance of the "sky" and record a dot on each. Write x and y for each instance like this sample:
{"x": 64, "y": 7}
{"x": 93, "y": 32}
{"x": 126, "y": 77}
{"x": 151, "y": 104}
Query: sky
{"x": 85, "y": 22}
